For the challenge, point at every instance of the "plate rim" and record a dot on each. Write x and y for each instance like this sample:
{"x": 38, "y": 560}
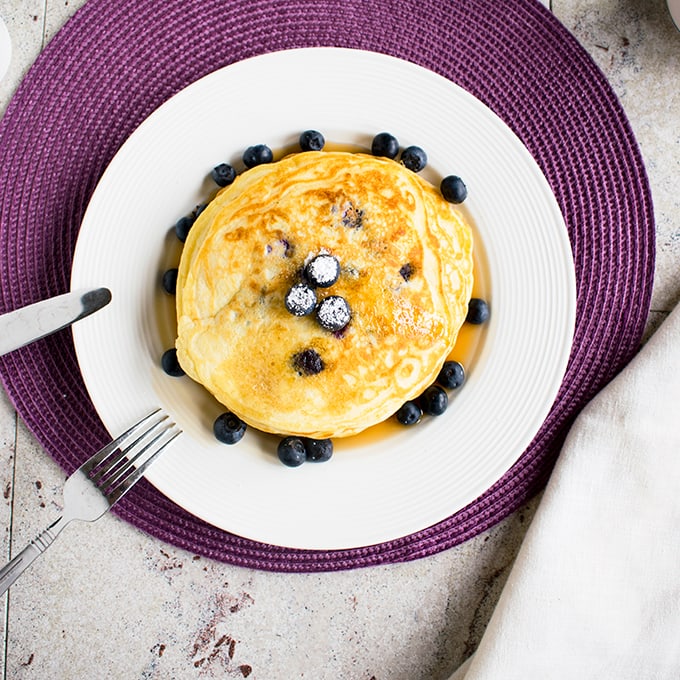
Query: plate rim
{"x": 79, "y": 332}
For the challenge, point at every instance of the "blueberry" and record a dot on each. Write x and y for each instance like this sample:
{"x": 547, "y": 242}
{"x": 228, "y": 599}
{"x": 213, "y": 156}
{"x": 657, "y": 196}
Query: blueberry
{"x": 406, "y": 271}
{"x": 414, "y": 158}
{"x": 318, "y": 450}
{"x": 257, "y": 155}
{"x": 385, "y": 144}
{"x": 352, "y": 217}
{"x": 434, "y": 400}
{"x": 183, "y": 226}
{"x": 333, "y": 313}
{"x": 453, "y": 189}
{"x": 300, "y": 300}
{"x": 170, "y": 281}
{"x": 229, "y": 428}
{"x": 478, "y": 311}
{"x": 409, "y": 413}
{"x": 223, "y": 174}
{"x": 311, "y": 140}
{"x": 322, "y": 271}
{"x": 292, "y": 451}
{"x": 170, "y": 363}
{"x": 308, "y": 362}
{"x": 452, "y": 375}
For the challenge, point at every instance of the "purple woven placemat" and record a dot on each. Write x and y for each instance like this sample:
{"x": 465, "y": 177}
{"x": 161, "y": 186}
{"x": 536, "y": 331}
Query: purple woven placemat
{"x": 114, "y": 63}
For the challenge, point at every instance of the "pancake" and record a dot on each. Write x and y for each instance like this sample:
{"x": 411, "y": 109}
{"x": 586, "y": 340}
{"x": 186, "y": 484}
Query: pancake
{"x": 405, "y": 273}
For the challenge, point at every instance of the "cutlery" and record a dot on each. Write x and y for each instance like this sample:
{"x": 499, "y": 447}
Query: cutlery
{"x": 26, "y": 324}
{"x": 99, "y": 484}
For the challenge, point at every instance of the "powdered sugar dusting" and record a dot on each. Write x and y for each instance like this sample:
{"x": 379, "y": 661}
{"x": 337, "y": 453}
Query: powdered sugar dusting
{"x": 333, "y": 313}
{"x": 323, "y": 270}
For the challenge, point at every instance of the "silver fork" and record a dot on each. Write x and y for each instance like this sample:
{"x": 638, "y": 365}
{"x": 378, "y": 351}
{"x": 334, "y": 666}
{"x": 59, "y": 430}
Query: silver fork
{"x": 99, "y": 483}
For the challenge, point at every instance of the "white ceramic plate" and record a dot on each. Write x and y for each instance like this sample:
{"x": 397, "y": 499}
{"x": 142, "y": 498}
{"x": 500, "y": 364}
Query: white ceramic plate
{"x": 377, "y": 487}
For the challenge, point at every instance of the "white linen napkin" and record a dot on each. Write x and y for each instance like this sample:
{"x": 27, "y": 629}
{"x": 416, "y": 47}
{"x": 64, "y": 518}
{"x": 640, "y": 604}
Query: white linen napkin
{"x": 595, "y": 589}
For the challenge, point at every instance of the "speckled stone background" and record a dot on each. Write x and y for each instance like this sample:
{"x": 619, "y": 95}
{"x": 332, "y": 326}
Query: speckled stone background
{"x": 107, "y": 601}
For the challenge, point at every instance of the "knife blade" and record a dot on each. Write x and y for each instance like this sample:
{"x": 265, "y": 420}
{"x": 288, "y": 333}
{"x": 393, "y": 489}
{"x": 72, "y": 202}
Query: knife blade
{"x": 30, "y": 323}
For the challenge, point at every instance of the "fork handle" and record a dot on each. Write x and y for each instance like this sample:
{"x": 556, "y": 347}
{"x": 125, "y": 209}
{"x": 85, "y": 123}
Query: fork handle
{"x": 13, "y": 569}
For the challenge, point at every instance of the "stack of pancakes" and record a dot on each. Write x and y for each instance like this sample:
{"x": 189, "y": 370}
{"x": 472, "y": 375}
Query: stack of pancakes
{"x": 406, "y": 272}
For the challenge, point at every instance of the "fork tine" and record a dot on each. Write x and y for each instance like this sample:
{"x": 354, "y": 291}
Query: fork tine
{"x": 131, "y": 475}
{"x": 104, "y": 453}
{"x": 133, "y": 453}
{"x": 109, "y": 468}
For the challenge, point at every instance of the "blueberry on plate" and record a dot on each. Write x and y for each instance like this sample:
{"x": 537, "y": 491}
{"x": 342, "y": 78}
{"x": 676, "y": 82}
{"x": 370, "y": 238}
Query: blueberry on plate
{"x": 453, "y": 189}
{"x": 223, "y": 174}
{"x": 229, "y": 428}
{"x": 414, "y": 158}
{"x": 312, "y": 140}
{"x": 385, "y": 144}
{"x": 291, "y": 451}
{"x": 183, "y": 226}
{"x": 257, "y": 155}
{"x": 322, "y": 271}
{"x": 300, "y": 300}
{"x": 478, "y": 311}
{"x": 409, "y": 413}
{"x": 452, "y": 375}
{"x": 170, "y": 363}
{"x": 318, "y": 450}
{"x": 434, "y": 400}
{"x": 170, "y": 281}
{"x": 333, "y": 313}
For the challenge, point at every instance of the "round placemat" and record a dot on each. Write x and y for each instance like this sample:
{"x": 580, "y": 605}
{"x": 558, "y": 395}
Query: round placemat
{"x": 113, "y": 63}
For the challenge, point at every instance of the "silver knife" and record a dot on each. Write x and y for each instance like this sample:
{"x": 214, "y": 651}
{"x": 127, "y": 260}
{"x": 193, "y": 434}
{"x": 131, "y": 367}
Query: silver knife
{"x": 26, "y": 324}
